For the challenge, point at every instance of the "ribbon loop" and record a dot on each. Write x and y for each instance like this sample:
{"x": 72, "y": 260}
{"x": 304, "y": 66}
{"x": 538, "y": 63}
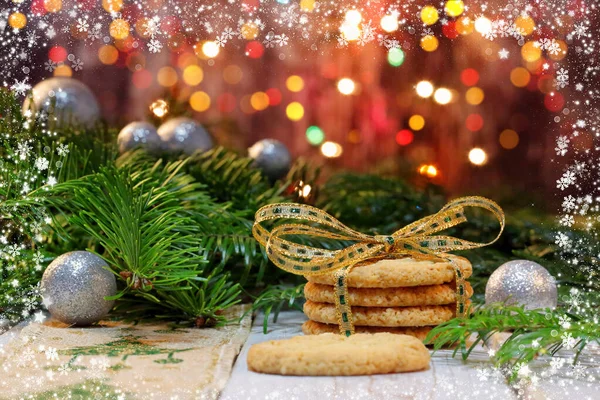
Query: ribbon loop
{"x": 416, "y": 240}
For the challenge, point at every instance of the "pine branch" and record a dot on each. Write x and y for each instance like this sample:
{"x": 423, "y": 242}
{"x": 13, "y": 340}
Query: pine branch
{"x": 274, "y": 298}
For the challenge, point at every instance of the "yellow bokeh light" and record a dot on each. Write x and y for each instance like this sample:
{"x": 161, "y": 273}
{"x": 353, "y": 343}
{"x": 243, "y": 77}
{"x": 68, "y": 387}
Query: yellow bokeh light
{"x": 108, "y": 54}
{"x": 249, "y": 31}
{"x": 429, "y": 170}
{"x": 474, "y": 96}
{"x": 119, "y": 29}
{"x": 424, "y": 89}
{"x": 429, "y": 43}
{"x": 112, "y": 5}
{"x": 353, "y": 17}
{"x": 331, "y": 149}
{"x": 260, "y": 101}
{"x": 232, "y": 74}
{"x": 465, "y": 26}
{"x": 416, "y": 122}
{"x": 477, "y": 156}
{"x": 159, "y": 107}
{"x": 53, "y": 6}
{"x": 525, "y": 24}
{"x": 483, "y": 25}
{"x": 193, "y": 75}
{"x": 561, "y": 53}
{"x": 350, "y": 32}
{"x": 166, "y": 76}
{"x": 429, "y": 15}
{"x": 63, "y": 70}
{"x": 531, "y": 52}
{"x": 210, "y": 49}
{"x": 442, "y": 96}
{"x": 389, "y": 23}
{"x": 294, "y": 83}
{"x": 307, "y": 5}
{"x": 200, "y": 101}
{"x": 346, "y": 86}
{"x": 509, "y": 139}
{"x": 294, "y": 111}
{"x": 454, "y": 8}
{"x": 520, "y": 77}
{"x": 17, "y": 20}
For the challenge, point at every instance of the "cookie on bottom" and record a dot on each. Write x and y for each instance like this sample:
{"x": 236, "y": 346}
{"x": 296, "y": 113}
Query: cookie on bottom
{"x": 336, "y": 355}
{"x": 318, "y": 328}
{"x": 383, "y": 316}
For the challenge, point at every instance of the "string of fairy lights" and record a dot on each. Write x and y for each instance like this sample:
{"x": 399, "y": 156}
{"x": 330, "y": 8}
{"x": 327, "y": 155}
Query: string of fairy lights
{"x": 124, "y": 47}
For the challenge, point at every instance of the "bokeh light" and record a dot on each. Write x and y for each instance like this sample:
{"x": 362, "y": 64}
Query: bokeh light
{"x": 525, "y": 24}
{"x": 483, "y": 25}
{"x": 193, "y": 75}
{"x": 17, "y": 20}
{"x": 353, "y": 17}
{"x": 389, "y": 23}
{"x": 474, "y": 96}
{"x": 315, "y": 135}
{"x": 108, "y": 54}
{"x": 294, "y": 111}
{"x": 307, "y": 5}
{"x": 465, "y": 25}
{"x": 346, "y": 86}
{"x": 259, "y": 101}
{"x": 274, "y": 96}
{"x": 210, "y": 49}
{"x": 429, "y": 15}
{"x": 200, "y": 101}
{"x": 119, "y": 29}
{"x": 424, "y": 89}
{"x": 350, "y": 32}
{"x": 454, "y": 8}
{"x": 294, "y": 83}
{"x": 166, "y": 76}
{"x": 395, "y": 57}
{"x": 520, "y": 77}
{"x": 404, "y": 137}
{"x": 477, "y": 156}
{"x": 442, "y": 96}
{"x": 416, "y": 122}
{"x": 112, "y": 6}
{"x": 428, "y": 170}
{"x": 254, "y": 49}
{"x": 469, "y": 77}
{"x": 554, "y": 101}
{"x": 331, "y": 149}
{"x": 53, "y": 6}
{"x": 429, "y": 43}
{"x": 509, "y": 139}
{"x": 159, "y": 107}
{"x": 63, "y": 70}
{"x": 474, "y": 122}
{"x": 531, "y": 52}
{"x": 232, "y": 74}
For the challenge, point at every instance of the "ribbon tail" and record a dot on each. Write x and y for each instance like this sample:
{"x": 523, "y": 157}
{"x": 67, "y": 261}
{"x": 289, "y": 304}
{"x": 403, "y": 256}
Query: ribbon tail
{"x": 342, "y": 304}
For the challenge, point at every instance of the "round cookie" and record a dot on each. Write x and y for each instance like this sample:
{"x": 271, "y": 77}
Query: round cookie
{"x": 383, "y": 316}
{"x": 388, "y": 297}
{"x": 336, "y": 355}
{"x": 318, "y": 328}
{"x": 400, "y": 272}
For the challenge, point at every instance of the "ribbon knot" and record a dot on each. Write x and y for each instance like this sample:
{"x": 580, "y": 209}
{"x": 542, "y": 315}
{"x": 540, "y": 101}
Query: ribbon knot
{"x": 417, "y": 240}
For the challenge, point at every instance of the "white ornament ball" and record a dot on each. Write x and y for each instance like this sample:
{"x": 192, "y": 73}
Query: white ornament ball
{"x": 522, "y": 282}
{"x": 74, "y": 286}
{"x": 139, "y": 134}
{"x": 69, "y": 100}
{"x": 272, "y": 157}
{"x": 184, "y": 134}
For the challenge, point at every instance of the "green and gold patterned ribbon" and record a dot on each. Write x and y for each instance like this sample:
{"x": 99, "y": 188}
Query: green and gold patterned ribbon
{"x": 417, "y": 240}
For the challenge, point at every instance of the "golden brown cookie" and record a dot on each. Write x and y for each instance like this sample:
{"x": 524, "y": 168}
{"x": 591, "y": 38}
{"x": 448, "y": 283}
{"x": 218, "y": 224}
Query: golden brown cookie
{"x": 334, "y": 355}
{"x": 388, "y": 297}
{"x": 399, "y": 272}
{"x": 317, "y": 328}
{"x": 383, "y": 316}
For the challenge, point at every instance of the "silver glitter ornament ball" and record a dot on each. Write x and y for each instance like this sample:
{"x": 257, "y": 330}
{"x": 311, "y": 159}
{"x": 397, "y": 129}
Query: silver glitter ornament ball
{"x": 68, "y": 99}
{"x": 184, "y": 134}
{"x": 522, "y": 282}
{"x": 272, "y": 157}
{"x": 74, "y": 286}
{"x": 139, "y": 134}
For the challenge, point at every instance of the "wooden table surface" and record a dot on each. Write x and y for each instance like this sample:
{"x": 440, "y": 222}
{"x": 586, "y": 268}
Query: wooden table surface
{"x": 447, "y": 378}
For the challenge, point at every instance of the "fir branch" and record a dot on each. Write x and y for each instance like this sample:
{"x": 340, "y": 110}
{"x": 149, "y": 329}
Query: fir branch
{"x": 274, "y": 298}
{"x": 534, "y": 333}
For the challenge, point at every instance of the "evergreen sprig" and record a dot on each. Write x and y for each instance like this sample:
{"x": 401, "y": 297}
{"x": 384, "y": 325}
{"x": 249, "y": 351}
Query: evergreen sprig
{"x": 533, "y": 333}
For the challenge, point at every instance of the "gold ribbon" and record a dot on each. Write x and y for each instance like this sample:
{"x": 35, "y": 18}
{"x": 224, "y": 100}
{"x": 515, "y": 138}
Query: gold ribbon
{"x": 416, "y": 240}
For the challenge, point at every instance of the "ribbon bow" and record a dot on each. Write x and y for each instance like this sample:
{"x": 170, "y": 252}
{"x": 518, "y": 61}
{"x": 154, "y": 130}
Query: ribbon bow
{"x": 417, "y": 240}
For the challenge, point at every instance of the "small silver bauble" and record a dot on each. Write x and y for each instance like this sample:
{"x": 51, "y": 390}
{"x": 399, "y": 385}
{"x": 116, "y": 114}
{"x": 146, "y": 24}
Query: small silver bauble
{"x": 67, "y": 99}
{"x": 74, "y": 286}
{"x": 522, "y": 282}
{"x": 139, "y": 134}
{"x": 184, "y": 134}
{"x": 272, "y": 157}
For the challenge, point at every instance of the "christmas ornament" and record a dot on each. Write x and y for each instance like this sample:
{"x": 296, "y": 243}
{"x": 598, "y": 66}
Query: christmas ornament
{"x": 272, "y": 157}
{"x": 184, "y": 134}
{"x": 67, "y": 99}
{"x": 522, "y": 282}
{"x": 74, "y": 286}
{"x": 139, "y": 134}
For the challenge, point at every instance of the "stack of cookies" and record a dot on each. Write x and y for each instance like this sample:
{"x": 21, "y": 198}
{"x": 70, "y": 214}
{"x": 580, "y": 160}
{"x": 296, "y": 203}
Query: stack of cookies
{"x": 404, "y": 295}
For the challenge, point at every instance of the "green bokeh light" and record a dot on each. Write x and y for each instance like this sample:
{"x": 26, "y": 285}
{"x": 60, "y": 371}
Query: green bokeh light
{"x": 395, "y": 57}
{"x": 315, "y": 135}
